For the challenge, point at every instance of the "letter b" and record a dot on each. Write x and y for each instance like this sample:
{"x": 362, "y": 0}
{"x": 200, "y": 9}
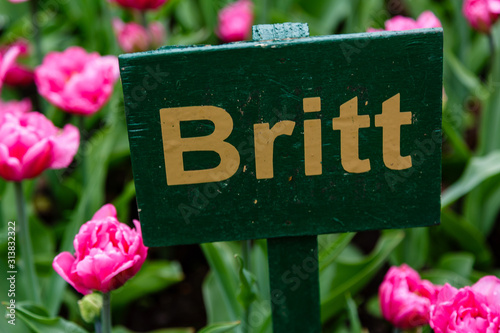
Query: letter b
{"x": 174, "y": 145}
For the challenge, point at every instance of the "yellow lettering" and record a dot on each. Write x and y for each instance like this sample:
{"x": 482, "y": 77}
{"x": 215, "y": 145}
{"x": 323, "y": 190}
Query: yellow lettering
{"x": 264, "y": 145}
{"x": 391, "y": 121}
{"x": 349, "y": 124}
{"x": 174, "y": 146}
{"x": 312, "y": 138}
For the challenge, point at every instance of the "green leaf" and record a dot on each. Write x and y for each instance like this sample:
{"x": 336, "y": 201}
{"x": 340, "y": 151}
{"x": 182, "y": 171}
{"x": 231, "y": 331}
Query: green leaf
{"x": 329, "y": 251}
{"x": 217, "y": 309}
{"x": 153, "y": 277}
{"x": 352, "y": 276}
{"x": 220, "y": 257}
{"x": 477, "y": 171}
{"x": 260, "y": 268}
{"x": 459, "y": 263}
{"x": 440, "y": 277}
{"x": 406, "y": 252}
{"x": 467, "y": 78}
{"x": 38, "y": 320}
{"x": 219, "y": 327}
{"x": 121, "y": 329}
{"x": 467, "y": 235}
{"x": 248, "y": 286}
{"x": 352, "y": 311}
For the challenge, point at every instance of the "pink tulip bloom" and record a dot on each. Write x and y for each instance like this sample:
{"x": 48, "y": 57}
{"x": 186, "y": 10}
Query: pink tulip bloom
{"x": 405, "y": 299}
{"x": 399, "y": 23}
{"x": 468, "y": 310}
{"x": 107, "y": 254}
{"x": 76, "y": 81}
{"x": 481, "y": 14}
{"x": 17, "y": 1}
{"x": 157, "y": 34}
{"x": 494, "y": 6}
{"x": 7, "y": 60}
{"x": 235, "y": 21}
{"x": 30, "y": 143}
{"x": 15, "y": 107}
{"x": 133, "y": 37}
{"x": 16, "y": 74}
{"x": 139, "y": 4}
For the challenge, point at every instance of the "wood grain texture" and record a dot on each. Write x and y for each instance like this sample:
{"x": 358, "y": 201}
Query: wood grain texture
{"x": 266, "y": 82}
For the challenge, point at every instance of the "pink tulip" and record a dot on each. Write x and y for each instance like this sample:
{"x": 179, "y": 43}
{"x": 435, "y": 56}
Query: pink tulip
{"x": 7, "y": 60}
{"x": 139, "y": 4}
{"x": 17, "y": 1}
{"x": 468, "y": 310}
{"x": 405, "y": 299}
{"x": 15, "y": 107}
{"x": 17, "y": 75}
{"x": 133, "y": 37}
{"x": 494, "y": 6}
{"x": 76, "y": 81}
{"x": 235, "y": 21}
{"x": 481, "y": 14}
{"x": 399, "y": 23}
{"x": 30, "y": 143}
{"x": 108, "y": 253}
{"x": 157, "y": 34}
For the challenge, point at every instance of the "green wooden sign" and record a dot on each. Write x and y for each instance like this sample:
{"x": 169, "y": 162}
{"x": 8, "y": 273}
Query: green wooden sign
{"x": 290, "y": 137}
{"x": 286, "y": 136}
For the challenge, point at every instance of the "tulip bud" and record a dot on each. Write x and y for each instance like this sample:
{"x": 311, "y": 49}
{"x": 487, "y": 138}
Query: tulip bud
{"x": 90, "y": 307}
{"x": 405, "y": 299}
{"x": 481, "y": 14}
{"x": 235, "y": 21}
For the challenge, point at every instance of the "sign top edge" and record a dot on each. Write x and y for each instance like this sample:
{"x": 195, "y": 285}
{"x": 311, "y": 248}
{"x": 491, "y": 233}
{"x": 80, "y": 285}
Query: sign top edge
{"x": 279, "y": 42}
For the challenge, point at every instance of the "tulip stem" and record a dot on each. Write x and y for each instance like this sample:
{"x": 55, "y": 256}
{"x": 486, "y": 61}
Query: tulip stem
{"x": 491, "y": 43}
{"x": 144, "y": 20}
{"x": 81, "y": 127}
{"x": 83, "y": 166}
{"x": 144, "y": 23}
{"x": 25, "y": 242}
{"x": 36, "y": 31}
{"x": 97, "y": 326}
{"x": 106, "y": 312}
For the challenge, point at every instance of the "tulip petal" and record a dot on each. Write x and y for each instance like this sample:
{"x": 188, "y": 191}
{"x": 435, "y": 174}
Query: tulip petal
{"x": 63, "y": 265}
{"x": 104, "y": 212}
{"x": 65, "y": 147}
{"x": 37, "y": 159}
{"x": 10, "y": 167}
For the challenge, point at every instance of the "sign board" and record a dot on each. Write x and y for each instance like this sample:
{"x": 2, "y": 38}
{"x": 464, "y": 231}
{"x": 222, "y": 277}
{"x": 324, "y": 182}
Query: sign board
{"x": 291, "y": 137}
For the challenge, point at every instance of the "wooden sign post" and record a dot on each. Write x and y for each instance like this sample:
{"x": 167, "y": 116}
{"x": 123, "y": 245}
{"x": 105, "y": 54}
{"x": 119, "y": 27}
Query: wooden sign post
{"x": 286, "y": 137}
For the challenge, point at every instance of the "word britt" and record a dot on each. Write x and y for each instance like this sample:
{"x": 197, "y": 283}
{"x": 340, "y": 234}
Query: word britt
{"x": 349, "y": 123}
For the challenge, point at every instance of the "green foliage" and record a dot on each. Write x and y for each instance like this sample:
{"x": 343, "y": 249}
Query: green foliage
{"x": 236, "y": 293}
{"x": 153, "y": 277}
{"x": 219, "y": 327}
{"x": 39, "y": 321}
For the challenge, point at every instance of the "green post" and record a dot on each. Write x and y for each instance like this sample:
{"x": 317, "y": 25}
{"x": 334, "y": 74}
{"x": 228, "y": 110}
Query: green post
{"x": 293, "y": 261}
{"x": 294, "y": 277}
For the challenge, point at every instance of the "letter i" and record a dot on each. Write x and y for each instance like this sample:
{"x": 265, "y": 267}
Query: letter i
{"x": 312, "y": 138}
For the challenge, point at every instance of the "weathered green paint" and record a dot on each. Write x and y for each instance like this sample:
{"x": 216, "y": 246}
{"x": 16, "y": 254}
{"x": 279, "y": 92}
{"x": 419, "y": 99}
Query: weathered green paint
{"x": 279, "y": 31}
{"x": 294, "y": 282}
{"x": 266, "y": 82}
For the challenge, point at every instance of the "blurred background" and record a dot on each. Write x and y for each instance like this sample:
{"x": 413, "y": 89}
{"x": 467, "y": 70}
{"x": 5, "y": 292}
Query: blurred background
{"x": 190, "y": 286}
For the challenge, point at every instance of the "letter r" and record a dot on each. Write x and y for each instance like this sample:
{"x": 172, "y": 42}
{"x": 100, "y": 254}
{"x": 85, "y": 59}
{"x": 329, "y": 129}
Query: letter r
{"x": 174, "y": 145}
